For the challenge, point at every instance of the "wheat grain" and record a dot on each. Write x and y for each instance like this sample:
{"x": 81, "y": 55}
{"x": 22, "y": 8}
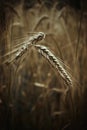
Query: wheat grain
{"x": 44, "y": 51}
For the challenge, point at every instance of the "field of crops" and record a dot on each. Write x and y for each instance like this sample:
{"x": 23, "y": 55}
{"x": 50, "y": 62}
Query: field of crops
{"x": 43, "y": 68}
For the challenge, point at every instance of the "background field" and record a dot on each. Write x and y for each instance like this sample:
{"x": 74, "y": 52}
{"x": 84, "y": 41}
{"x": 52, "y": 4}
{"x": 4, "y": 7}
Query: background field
{"x": 32, "y": 93}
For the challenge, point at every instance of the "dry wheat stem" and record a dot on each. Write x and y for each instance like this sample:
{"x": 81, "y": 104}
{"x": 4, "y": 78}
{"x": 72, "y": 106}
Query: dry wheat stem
{"x": 45, "y": 52}
{"x": 22, "y": 50}
{"x": 43, "y": 86}
{"x": 45, "y": 17}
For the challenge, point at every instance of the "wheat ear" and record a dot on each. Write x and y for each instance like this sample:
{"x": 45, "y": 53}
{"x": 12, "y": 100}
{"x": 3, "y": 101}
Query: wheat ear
{"x": 23, "y": 49}
{"x": 45, "y": 52}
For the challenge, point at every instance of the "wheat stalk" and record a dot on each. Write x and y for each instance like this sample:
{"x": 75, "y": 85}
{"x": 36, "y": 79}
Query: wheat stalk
{"x": 45, "y": 17}
{"x": 45, "y": 52}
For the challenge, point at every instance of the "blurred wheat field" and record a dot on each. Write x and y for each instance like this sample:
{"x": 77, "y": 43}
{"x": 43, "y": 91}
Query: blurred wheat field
{"x": 33, "y": 95}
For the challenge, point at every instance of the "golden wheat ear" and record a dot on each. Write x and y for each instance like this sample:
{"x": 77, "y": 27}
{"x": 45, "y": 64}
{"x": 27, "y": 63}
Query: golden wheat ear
{"x": 51, "y": 58}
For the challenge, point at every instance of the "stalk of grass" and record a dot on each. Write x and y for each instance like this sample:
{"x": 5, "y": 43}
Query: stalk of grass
{"x": 45, "y": 17}
{"x": 43, "y": 86}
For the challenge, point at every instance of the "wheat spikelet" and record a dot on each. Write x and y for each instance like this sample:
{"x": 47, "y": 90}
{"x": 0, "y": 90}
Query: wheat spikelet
{"x": 45, "y": 52}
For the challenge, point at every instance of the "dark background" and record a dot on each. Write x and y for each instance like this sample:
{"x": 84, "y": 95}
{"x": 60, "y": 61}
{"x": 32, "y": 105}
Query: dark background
{"x": 6, "y": 112}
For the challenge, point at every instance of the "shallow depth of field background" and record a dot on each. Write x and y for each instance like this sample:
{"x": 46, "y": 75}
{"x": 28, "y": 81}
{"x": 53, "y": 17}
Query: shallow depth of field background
{"x": 29, "y": 96}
